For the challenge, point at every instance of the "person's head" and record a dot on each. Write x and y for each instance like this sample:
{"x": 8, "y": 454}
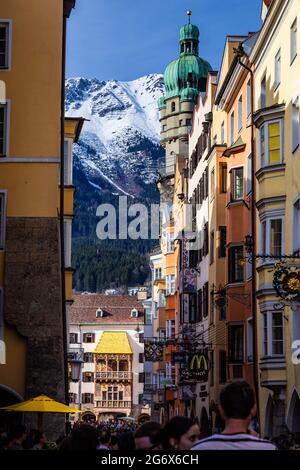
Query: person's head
{"x": 104, "y": 437}
{"x": 40, "y": 438}
{"x": 180, "y": 433}
{"x": 126, "y": 441}
{"x": 148, "y": 435}
{"x": 85, "y": 437}
{"x": 237, "y": 402}
{"x": 19, "y": 434}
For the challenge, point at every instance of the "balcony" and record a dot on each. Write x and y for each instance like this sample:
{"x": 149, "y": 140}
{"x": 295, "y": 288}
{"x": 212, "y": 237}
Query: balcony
{"x": 75, "y": 355}
{"x": 113, "y": 404}
{"x": 113, "y": 375}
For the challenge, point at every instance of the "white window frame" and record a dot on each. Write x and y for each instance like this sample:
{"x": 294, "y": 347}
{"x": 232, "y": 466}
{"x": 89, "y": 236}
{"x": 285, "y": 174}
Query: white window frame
{"x": 8, "y": 51}
{"x": 263, "y": 92}
{"x": 296, "y": 225}
{"x": 170, "y": 240}
{"x": 294, "y": 40}
{"x": 265, "y": 161}
{"x": 249, "y": 97}
{"x": 240, "y": 113}
{"x": 233, "y": 185}
{"x": 277, "y": 69}
{"x": 68, "y": 178}
{"x": 223, "y": 133}
{"x": 269, "y": 315}
{"x": 295, "y": 124}
{"x": 232, "y": 130}
{"x": 68, "y": 242}
{"x": 267, "y": 220}
{"x": 249, "y": 175}
{"x": 170, "y": 284}
{"x": 250, "y": 332}
{"x": 7, "y": 109}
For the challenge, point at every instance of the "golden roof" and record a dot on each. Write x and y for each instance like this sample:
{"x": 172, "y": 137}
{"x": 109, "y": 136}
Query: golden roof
{"x": 113, "y": 342}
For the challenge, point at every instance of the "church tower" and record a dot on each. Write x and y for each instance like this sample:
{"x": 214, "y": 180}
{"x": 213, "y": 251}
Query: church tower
{"x": 184, "y": 78}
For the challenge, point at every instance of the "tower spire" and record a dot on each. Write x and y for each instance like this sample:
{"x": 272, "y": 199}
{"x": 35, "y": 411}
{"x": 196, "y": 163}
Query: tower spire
{"x": 189, "y": 14}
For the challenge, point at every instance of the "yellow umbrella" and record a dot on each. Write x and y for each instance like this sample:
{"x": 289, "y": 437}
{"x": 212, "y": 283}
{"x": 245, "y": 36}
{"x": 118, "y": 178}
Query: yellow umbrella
{"x": 40, "y": 404}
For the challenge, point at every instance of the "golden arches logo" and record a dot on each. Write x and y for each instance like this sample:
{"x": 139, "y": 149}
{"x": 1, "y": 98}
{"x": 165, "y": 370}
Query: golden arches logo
{"x": 199, "y": 360}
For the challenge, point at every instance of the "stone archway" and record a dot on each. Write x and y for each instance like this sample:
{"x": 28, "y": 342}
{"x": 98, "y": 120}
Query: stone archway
{"x": 293, "y": 416}
{"x": 8, "y": 397}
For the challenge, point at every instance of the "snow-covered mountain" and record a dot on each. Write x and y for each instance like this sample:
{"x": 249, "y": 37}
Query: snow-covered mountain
{"x": 119, "y": 146}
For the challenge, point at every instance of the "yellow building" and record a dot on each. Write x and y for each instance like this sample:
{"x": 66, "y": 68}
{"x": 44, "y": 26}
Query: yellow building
{"x": 276, "y": 62}
{"x": 32, "y": 317}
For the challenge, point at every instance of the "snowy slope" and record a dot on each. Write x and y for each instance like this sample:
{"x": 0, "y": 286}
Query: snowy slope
{"x": 120, "y": 142}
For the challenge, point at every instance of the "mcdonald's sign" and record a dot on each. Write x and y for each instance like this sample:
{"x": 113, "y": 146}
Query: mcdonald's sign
{"x": 197, "y": 368}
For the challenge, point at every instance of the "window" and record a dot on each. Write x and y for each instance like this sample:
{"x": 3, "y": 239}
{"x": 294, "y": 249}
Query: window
{"x": 88, "y": 357}
{"x": 249, "y": 175}
{"x": 271, "y": 143}
{"x": 212, "y": 368}
{"x": 223, "y": 367}
{"x": 295, "y": 125}
{"x": 205, "y": 184}
{"x": 173, "y": 107}
{"x": 296, "y": 228}
{"x": 2, "y": 220}
{"x": 223, "y": 177}
{"x": 223, "y": 133}
{"x": 188, "y": 122}
{"x": 240, "y": 114}
{"x": 212, "y": 247}
{"x": 141, "y": 337}
{"x": 249, "y": 98}
{"x": 272, "y": 237}
{"x": 205, "y": 239}
{"x": 4, "y": 45}
{"x": 73, "y": 338}
{"x": 222, "y": 242}
{"x": 68, "y": 242}
{"x": 180, "y": 122}
{"x": 237, "y": 184}
{"x": 157, "y": 273}
{"x": 294, "y": 45}
{"x": 236, "y": 343}
{"x": 232, "y": 128}
{"x": 263, "y": 92}
{"x": 199, "y": 306}
{"x": 3, "y": 130}
{"x": 87, "y": 398}
{"x": 72, "y": 398}
{"x": 236, "y": 264}
{"x": 250, "y": 340}
{"x": 88, "y": 377}
{"x": 170, "y": 243}
{"x": 273, "y": 334}
{"x": 68, "y": 162}
{"x": 164, "y": 127}
{"x": 205, "y": 300}
{"x": 141, "y": 377}
{"x": 88, "y": 337}
{"x": 170, "y": 284}
{"x": 277, "y": 72}
{"x": 141, "y": 358}
{"x": 212, "y": 183}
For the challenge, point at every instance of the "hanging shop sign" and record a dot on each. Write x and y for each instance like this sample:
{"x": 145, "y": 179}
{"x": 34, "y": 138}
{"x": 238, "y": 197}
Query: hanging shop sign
{"x": 197, "y": 368}
{"x": 154, "y": 351}
{"x": 286, "y": 281}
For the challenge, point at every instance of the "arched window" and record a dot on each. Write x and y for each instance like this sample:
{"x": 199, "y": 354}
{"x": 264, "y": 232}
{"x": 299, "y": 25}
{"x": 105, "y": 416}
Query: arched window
{"x": 173, "y": 106}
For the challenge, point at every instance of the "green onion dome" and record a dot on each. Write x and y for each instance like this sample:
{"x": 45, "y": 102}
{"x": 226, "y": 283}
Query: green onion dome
{"x": 189, "y": 31}
{"x": 189, "y": 94}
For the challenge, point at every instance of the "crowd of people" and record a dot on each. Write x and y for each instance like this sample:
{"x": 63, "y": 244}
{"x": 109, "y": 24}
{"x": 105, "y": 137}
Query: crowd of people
{"x": 237, "y": 407}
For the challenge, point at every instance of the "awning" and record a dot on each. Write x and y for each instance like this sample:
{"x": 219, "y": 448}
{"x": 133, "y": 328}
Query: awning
{"x": 113, "y": 342}
{"x": 237, "y": 147}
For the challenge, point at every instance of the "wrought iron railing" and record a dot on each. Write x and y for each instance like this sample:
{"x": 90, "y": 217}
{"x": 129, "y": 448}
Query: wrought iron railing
{"x": 113, "y": 404}
{"x": 113, "y": 375}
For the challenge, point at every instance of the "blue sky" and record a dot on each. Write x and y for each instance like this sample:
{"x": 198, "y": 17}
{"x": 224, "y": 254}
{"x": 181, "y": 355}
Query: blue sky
{"x": 126, "y": 39}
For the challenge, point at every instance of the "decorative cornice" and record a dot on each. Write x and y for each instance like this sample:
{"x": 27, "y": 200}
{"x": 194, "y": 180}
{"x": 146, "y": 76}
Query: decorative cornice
{"x": 267, "y": 114}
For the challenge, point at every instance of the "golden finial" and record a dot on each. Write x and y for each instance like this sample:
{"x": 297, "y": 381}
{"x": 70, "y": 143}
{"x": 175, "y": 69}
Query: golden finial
{"x": 189, "y": 14}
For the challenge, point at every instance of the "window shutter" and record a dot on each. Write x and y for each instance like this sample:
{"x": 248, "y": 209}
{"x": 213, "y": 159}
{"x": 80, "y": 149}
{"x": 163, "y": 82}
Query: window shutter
{"x": 141, "y": 377}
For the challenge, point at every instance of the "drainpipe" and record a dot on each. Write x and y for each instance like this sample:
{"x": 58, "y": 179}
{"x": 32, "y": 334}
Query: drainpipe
{"x": 253, "y": 230}
{"x": 61, "y": 213}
